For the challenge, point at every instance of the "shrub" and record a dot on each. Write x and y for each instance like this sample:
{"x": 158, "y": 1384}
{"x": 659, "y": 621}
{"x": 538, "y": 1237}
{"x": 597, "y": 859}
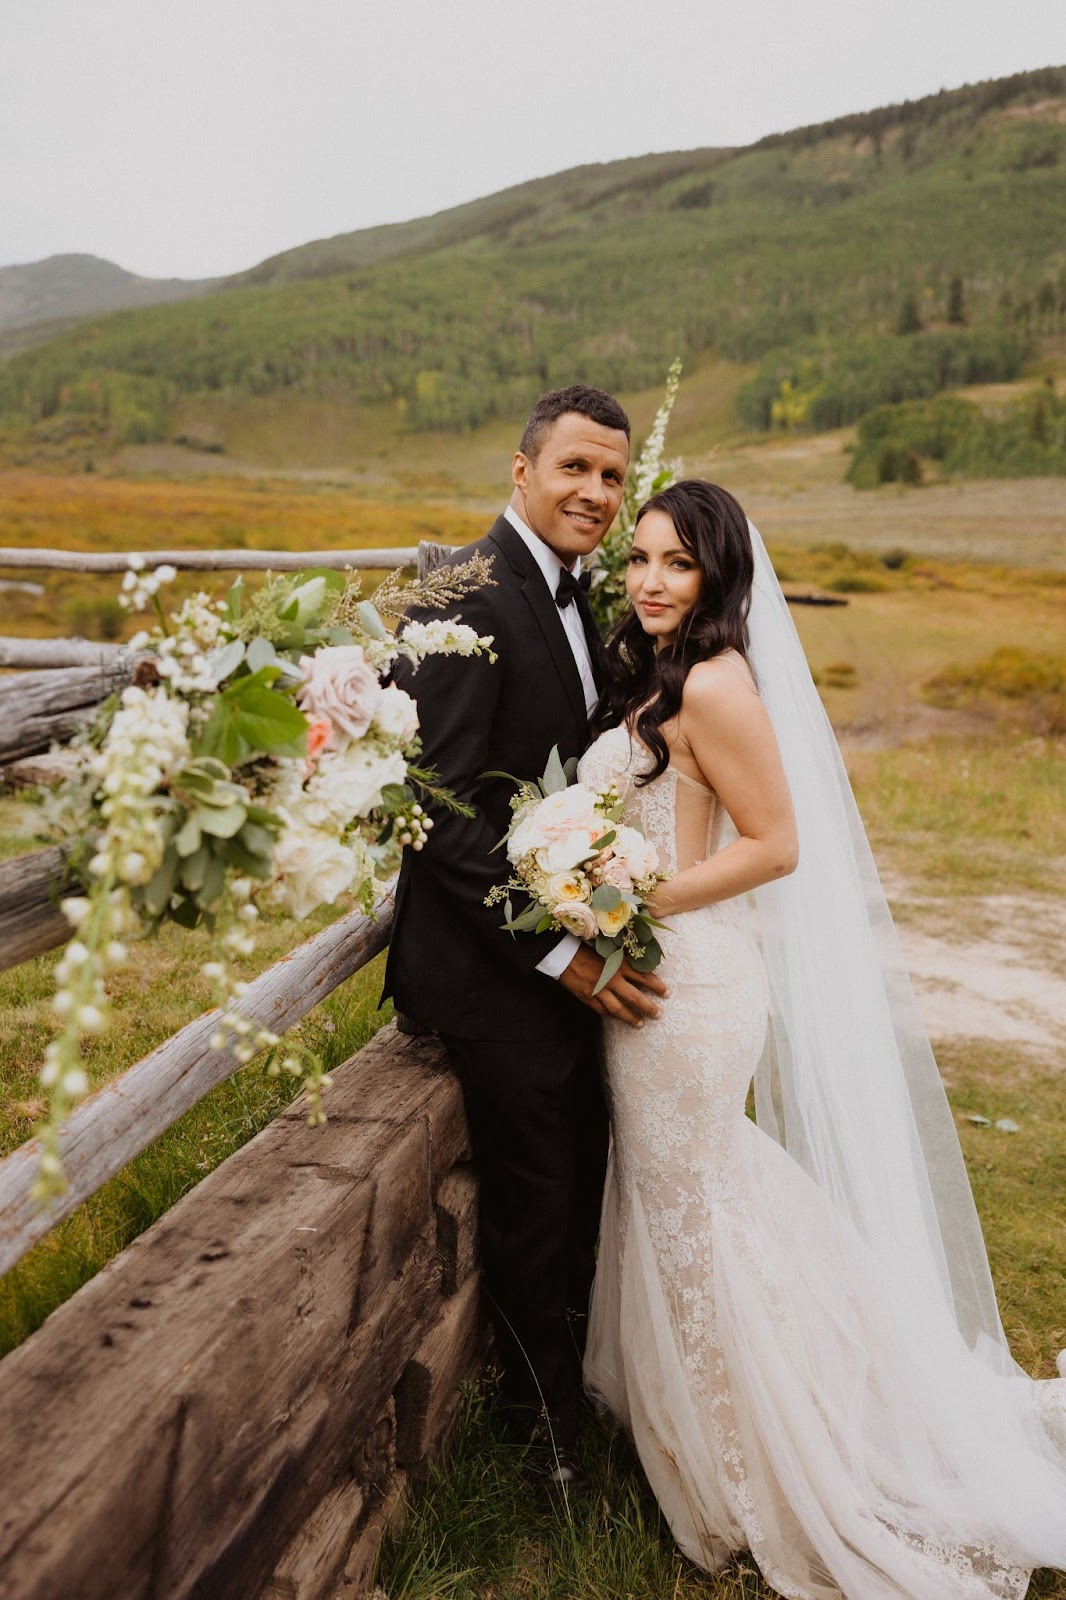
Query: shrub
{"x": 1033, "y": 684}
{"x": 96, "y": 619}
{"x": 896, "y": 558}
{"x": 856, "y": 583}
{"x": 1028, "y": 440}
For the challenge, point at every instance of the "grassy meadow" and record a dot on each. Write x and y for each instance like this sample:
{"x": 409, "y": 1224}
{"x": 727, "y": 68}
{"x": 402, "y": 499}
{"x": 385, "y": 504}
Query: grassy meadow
{"x": 955, "y": 752}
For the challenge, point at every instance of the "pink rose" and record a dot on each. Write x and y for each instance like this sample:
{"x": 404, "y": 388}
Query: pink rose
{"x": 319, "y": 737}
{"x": 341, "y": 686}
{"x": 617, "y": 873}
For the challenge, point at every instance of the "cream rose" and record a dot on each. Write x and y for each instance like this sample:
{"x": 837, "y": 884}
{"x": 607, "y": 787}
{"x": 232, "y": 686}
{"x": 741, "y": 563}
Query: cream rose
{"x": 612, "y": 922}
{"x": 576, "y": 918}
{"x": 340, "y": 684}
{"x": 564, "y": 888}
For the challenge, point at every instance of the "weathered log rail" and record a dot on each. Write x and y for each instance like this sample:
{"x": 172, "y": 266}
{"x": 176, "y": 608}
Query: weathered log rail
{"x": 124, "y": 1117}
{"x": 230, "y": 1409}
{"x": 232, "y": 1406}
{"x": 208, "y": 560}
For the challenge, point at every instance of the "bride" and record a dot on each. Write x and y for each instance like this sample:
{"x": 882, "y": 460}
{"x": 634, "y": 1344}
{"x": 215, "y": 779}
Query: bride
{"x": 794, "y": 1320}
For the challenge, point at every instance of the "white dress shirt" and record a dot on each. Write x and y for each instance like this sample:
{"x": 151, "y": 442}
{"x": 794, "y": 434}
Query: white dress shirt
{"x": 560, "y": 956}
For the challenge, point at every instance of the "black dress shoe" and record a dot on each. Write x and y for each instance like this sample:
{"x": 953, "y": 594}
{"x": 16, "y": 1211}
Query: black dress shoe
{"x": 560, "y": 1469}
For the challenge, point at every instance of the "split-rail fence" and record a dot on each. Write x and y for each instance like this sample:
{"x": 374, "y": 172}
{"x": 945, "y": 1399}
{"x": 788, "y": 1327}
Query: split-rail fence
{"x": 233, "y": 1406}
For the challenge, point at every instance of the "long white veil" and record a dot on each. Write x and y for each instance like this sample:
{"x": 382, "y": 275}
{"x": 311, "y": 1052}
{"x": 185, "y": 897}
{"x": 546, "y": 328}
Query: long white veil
{"x": 848, "y": 1083}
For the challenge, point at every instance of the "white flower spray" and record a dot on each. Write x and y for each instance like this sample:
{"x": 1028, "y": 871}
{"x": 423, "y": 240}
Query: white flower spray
{"x": 649, "y": 474}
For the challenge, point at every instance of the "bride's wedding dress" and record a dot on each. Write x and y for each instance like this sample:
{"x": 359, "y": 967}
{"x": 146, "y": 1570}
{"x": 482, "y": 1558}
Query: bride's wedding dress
{"x": 784, "y": 1395}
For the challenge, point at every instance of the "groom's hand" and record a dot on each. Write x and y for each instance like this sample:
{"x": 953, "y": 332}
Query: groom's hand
{"x": 628, "y": 995}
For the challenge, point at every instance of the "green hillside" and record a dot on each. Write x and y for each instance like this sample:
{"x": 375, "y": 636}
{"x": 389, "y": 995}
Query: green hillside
{"x": 881, "y": 225}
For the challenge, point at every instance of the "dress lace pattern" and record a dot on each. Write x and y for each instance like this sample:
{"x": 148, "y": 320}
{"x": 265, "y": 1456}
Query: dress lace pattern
{"x": 737, "y": 1326}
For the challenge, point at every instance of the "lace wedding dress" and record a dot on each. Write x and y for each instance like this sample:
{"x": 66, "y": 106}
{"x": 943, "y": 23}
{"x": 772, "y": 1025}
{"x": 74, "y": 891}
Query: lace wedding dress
{"x": 781, "y": 1399}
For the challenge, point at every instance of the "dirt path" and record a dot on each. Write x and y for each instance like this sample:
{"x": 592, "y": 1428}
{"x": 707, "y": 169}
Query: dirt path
{"x": 1001, "y": 976}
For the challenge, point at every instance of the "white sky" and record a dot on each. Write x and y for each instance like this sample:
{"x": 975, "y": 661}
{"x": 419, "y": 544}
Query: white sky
{"x": 194, "y": 137}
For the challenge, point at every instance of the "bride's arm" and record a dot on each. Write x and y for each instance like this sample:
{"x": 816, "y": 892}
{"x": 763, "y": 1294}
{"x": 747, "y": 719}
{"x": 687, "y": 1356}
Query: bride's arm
{"x": 726, "y": 727}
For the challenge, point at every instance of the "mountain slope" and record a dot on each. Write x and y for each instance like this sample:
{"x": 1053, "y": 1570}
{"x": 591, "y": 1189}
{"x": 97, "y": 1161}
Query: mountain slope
{"x": 605, "y": 273}
{"x": 72, "y": 286}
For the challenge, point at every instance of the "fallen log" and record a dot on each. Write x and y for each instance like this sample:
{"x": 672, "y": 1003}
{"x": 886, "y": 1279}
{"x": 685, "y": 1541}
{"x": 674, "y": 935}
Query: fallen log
{"x": 211, "y": 1416}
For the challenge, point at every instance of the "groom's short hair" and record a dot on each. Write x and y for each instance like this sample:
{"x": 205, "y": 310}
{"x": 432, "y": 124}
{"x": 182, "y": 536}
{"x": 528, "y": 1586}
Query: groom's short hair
{"x": 596, "y": 404}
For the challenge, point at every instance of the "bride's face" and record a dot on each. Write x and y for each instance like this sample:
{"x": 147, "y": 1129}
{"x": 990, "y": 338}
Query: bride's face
{"x": 663, "y": 579}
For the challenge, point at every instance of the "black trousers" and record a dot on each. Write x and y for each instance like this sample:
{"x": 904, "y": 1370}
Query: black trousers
{"x": 538, "y": 1126}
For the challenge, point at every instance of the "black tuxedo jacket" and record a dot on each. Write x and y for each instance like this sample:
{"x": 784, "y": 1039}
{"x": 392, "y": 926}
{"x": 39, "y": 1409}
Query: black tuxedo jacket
{"x": 450, "y": 963}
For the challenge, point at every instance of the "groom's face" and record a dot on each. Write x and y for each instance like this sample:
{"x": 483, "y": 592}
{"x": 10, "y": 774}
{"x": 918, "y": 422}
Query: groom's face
{"x": 570, "y": 493}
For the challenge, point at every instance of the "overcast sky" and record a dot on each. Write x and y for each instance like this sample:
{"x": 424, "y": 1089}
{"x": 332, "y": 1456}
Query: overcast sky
{"x": 194, "y": 137}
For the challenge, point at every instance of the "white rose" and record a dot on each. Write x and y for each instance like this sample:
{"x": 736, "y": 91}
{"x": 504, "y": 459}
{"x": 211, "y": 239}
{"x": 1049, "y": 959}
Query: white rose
{"x": 396, "y": 715}
{"x": 314, "y": 868}
{"x": 340, "y": 684}
{"x": 560, "y": 813}
{"x": 564, "y": 887}
{"x": 367, "y": 774}
{"x": 638, "y": 853}
{"x": 525, "y": 838}
{"x": 576, "y": 918}
{"x": 612, "y": 922}
{"x": 568, "y": 851}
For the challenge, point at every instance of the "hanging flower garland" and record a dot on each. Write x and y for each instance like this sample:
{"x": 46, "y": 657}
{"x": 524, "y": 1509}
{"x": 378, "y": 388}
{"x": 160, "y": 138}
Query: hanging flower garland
{"x": 256, "y": 752}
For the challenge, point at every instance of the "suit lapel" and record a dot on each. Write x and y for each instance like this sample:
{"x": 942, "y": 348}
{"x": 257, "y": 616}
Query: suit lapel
{"x": 536, "y": 594}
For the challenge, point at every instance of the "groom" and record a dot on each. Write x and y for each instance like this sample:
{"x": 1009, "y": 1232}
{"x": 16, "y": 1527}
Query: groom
{"x": 517, "y": 1014}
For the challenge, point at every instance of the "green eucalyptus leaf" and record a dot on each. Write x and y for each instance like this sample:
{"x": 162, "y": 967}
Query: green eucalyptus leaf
{"x": 261, "y": 653}
{"x": 606, "y": 897}
{"x": 605, "y": 839}
{"x": 370, "y": 620}
{"x": 160, "y": 886}
{"x": 305, "y": 602}
{"x": 603, "y": 946}
{"x": 264, "y": 818}
{"x": 189, "y": 838}
{"x": 224, "y": 661}
{"x": 257, "y": 839}
{"x": 221, "y": 822}
{"x": 214, "y": 881}
{"x": 554, "y": 777}
{"x": 250, "y": 864}
{"x": 650, "y": 959}
{"x": 610, "y": 967}
{"x": 337, "y": 636}
{"x": 193, "y": 869}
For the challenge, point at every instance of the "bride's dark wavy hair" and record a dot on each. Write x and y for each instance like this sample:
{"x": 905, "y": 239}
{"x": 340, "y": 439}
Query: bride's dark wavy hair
{"x": 646, "y": 685}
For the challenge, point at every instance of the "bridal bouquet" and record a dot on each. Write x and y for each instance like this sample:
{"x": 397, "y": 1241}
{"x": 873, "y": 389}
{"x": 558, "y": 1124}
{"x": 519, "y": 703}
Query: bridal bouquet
{"x": 256, "y": 750}
{"x": 583, "y": 870}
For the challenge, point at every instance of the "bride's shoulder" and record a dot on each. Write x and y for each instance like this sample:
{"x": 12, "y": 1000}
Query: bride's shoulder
{"x": 722, "y": 681}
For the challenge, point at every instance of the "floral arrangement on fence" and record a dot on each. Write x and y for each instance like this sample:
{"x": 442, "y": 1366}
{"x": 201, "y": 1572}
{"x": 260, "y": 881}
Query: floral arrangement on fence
{"x": 256, "y": 751}
{"x": 584, "y": 871}
{"x": 649, "y": 474}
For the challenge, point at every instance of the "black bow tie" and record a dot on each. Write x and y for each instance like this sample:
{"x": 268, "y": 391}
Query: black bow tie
{"x": 569, "y": 586}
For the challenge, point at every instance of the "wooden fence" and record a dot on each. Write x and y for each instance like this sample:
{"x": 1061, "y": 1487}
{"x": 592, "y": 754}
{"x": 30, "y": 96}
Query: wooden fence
{"x": 232, "y": 1406}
